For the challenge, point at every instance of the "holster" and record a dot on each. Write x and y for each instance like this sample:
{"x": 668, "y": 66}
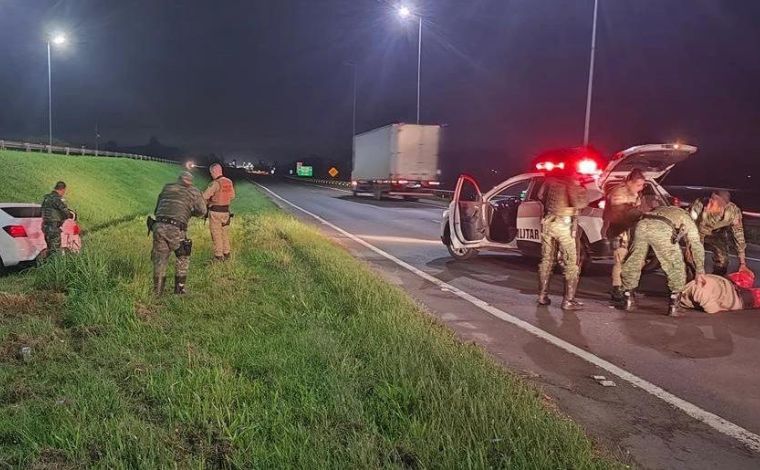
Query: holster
{"x": 229, "y": 219}
{"x": 185, "y": 248}
{"x": 149, "y": 222}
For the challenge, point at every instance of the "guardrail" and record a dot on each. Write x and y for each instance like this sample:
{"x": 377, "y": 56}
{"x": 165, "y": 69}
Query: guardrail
{"x": 28, "y": 147}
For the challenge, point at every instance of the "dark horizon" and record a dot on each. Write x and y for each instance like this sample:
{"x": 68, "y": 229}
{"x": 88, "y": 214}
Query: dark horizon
{"x": 269, "y": 80}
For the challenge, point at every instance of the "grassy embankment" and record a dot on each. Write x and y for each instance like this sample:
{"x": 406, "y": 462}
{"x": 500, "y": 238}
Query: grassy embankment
{"x": 295, "y": 355}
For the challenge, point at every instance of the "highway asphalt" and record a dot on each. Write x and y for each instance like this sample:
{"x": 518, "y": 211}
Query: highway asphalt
{"x": 688, "y": 395}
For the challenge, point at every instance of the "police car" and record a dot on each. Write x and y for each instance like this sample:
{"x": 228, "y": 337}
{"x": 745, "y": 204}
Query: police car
{"x": 508, "y": 217}
{"x": 21, "y": 237}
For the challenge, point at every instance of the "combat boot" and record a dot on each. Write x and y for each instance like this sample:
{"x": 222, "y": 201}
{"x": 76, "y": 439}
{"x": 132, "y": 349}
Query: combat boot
{"x": 628, "y": 302}
{"x": 616, "y": 294}
{"x": 569, "y": 302}
{"x": 674, "y": 305}
{"x": 179, "y": 285}
{"x": 543, "y": 290}
{"x": 217, "y": 259}
{"x": 158, "y": 285}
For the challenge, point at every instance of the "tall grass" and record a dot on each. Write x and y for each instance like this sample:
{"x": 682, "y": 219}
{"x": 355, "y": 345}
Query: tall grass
{"x": 101, "y": 190}
{"x": 292, "y": 355}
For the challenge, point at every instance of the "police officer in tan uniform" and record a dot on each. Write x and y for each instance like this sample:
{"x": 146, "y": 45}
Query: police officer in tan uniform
{"x": 622, "y": 211}
{"x": 218, "y": 195}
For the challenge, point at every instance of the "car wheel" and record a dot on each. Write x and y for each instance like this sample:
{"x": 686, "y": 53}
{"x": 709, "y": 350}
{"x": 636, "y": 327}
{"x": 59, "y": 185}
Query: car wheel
{"x": 461, "y": 254}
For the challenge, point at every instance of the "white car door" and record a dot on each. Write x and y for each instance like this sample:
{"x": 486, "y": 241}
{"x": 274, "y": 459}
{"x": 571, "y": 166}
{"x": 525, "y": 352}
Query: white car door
{"x": 467, "y": 222}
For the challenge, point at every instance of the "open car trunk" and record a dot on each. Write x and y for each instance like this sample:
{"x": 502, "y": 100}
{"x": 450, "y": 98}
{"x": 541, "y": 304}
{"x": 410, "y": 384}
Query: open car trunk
{"x": 654, "y": 160}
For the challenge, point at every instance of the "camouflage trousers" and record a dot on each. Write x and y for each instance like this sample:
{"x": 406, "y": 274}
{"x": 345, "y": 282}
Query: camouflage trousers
{"x": 655, "y": 234}
{"x": 219, "y": 224}
{"x": 166, "y": 240}
{"x": 52, "y": 238}
{"x": 717, "y": 242}
{"x": 557, "y": 234}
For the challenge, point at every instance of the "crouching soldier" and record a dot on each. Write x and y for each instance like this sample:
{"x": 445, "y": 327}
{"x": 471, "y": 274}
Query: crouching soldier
{"x": 662, "y": 229}
{"x": 715, "y": 217}
{"x": 176, "y": 204}
{"x": 722, "y": 294}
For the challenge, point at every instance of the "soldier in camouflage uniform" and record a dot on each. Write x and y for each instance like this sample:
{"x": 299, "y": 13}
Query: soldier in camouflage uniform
{"x": 176, "y": 204}
{"x": 562, "y": 196}
{"x": 714, "y": 217}
{"x": 54, "y": 214}
{"x": 621, "y": 212}
{"x": 662, "y": 229}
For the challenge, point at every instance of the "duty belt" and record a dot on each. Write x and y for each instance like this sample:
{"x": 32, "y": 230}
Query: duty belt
{"x": 168, "y": 220}
{"x": 678, "y": 232}
{"x": 219, "y": 208}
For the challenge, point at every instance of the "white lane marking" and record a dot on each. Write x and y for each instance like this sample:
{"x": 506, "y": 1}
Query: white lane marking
{"x": 721, "y": 425}
{"x": 414, "y": 241}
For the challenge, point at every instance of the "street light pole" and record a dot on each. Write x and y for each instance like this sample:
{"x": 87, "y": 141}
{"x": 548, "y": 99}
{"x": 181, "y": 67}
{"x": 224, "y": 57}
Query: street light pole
{"x": 405, "y": 12}
{"x": 353, "y": 115}
{"x": 590, "y": 90}
{"x": 58, "y": 40}
{"x": 419, "y": 65}
{"x": 50, "y": 100}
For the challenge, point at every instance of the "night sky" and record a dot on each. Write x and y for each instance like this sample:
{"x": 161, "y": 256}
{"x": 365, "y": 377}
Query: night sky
{"x": 269, "y": 80}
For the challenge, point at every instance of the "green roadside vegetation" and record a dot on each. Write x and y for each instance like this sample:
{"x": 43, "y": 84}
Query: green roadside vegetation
{"x": 293, "y": 354}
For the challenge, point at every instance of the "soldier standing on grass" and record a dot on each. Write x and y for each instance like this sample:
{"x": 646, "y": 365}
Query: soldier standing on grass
{"x": 218, "y": 195}
{"x": 54, "y": 214}
{"x": 176, "y": 204}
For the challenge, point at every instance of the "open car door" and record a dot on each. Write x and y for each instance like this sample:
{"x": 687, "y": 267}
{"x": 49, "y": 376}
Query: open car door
{"x": 654, "y": 160}
{"x": 468, "y": 222}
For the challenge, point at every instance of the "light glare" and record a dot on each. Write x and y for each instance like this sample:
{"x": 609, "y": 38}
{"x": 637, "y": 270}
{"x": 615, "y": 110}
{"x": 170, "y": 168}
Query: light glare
{"x": 59, "y": 39}
{"x": 404, "y": 12}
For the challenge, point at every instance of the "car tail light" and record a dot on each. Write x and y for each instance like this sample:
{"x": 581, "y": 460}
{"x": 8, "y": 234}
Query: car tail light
{"x": 15, "y": 231}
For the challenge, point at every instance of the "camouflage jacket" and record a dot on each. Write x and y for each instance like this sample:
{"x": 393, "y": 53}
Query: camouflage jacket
{"x": 622, "y": 211}
{"x": 563, "y": 196}
{"x": 180, "y": 202}
{"x": 710, "y": 223}
{"x": 54, "y": 209}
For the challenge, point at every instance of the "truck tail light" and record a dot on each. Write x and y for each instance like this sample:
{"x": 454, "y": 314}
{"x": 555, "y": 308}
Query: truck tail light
{"x": 15, "y": 231}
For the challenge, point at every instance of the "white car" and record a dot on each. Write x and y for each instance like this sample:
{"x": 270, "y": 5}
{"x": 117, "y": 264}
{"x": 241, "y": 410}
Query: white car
{"x": 21, "y": 237}
{"x": 508, "y": 217}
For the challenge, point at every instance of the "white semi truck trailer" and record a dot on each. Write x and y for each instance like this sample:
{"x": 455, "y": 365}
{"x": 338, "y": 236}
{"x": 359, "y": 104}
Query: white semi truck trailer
{"x": 396, "y": 160}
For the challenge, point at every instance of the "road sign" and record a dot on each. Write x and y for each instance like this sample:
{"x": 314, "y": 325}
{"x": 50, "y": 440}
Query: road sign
{"x": 304, "y": 170}
{"x": 333, "y": 172}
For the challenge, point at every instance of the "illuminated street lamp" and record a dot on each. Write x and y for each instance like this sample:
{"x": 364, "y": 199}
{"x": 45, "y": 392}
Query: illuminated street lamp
{"x": 58, "y": 39}
{"x": 405, "y": 12}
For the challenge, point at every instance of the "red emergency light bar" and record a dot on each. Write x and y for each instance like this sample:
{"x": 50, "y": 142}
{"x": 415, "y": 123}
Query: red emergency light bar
{"x": 583, "y": 166}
